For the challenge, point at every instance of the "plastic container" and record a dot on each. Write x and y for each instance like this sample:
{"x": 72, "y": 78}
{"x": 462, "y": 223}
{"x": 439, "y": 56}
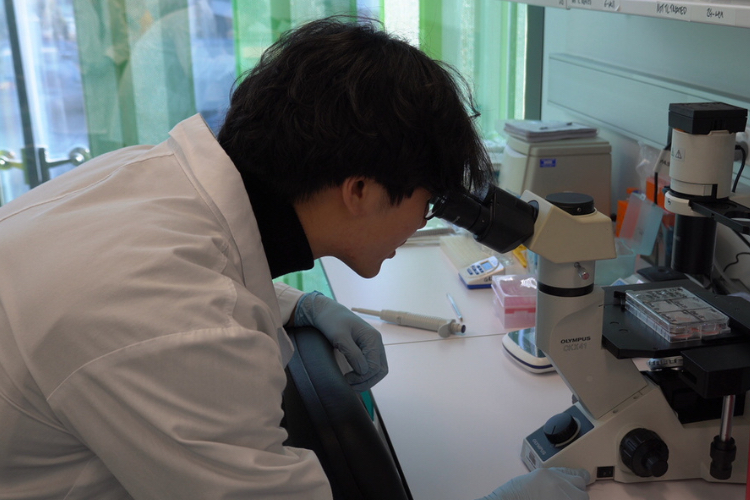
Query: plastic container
{"x": 610, "y": 270}
{"x": 515, "y": 300}
{"x": 641, "y": 224}
{"x": 676, "y": 314}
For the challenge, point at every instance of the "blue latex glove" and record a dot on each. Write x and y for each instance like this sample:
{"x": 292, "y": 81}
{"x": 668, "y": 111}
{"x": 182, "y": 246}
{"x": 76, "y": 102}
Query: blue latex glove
{"x": 355, "y": 338}
{"x": 556, "y": 483}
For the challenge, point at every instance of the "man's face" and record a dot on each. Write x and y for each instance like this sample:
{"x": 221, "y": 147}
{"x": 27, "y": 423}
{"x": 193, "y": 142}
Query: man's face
{"x": 385, "y": 230}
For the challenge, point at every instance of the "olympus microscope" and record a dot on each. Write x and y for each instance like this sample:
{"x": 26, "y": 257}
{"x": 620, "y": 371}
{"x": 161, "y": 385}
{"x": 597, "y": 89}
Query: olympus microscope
{"x": 687, "y": 415}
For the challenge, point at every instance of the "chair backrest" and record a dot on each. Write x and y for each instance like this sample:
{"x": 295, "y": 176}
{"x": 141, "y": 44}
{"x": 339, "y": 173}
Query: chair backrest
{"x": 324, "y": 414}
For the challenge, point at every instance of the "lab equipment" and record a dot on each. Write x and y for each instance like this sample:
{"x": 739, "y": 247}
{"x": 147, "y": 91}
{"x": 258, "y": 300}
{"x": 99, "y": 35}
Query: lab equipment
{"x": 515, "y": 300}
{"x": 576, "y": 165}
{"x": 464, "y": 251}
{"x": 637, "y": 236}
{"x": 479, "y": 274}
{"x": 676, "y": 314}
{"x": 547, "y": 130}
{"x": 455, "y": 307}
{"x": 640, "y": 225}
{"x": 610, "y": 270}
{"x": 732, "y": 255}
{"x": 520, "y": 346}
{"x": 681, "y": 423}
{"x": 700, "y": 168}
{"x": 494, "y": 217}
{"x": 628, "y": 426}
{"x": 444, "y": 327}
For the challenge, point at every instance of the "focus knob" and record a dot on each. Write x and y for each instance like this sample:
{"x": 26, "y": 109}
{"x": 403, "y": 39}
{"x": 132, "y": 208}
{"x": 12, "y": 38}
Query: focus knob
{"x": 644, "y": 453}
{"x": 561, "y": 429}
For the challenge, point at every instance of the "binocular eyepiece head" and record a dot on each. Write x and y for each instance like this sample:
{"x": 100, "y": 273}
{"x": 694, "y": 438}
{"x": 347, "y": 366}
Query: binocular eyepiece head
{"x": 496, "y": 218}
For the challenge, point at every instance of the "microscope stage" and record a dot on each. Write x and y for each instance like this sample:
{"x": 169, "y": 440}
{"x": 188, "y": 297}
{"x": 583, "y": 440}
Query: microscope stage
{"x": 625, "y": 336}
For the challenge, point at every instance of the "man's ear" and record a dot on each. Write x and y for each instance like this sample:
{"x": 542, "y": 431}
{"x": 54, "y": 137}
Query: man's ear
{"x": 360, "y": 195}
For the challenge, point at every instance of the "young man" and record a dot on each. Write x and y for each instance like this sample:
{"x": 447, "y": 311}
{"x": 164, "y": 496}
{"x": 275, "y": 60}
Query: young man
{"x": 142, "y": 348}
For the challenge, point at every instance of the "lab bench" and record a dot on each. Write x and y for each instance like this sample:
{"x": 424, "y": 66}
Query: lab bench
{"x": 458, "y": 409}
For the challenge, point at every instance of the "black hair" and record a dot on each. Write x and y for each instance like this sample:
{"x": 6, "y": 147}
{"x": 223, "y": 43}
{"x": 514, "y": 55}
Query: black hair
{"x": 339, "y": 97}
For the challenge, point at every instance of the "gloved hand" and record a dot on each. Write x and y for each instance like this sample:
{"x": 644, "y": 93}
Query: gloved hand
{"x": 355, "y": 338}
{"x": 554, "y": 483}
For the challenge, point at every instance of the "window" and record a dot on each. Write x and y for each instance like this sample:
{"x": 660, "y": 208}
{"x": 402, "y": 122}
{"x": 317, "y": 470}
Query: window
{"x": 79, "y": 78}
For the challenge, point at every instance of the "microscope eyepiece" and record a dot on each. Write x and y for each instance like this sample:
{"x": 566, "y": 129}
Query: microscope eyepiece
{"x": 497, "y": 219}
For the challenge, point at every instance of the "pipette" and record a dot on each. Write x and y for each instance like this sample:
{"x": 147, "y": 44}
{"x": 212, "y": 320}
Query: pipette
{"x": 455, "y": 307}
{"x": 444, "y": 327}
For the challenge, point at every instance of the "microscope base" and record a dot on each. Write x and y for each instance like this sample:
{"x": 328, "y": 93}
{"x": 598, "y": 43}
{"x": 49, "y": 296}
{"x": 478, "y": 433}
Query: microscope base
{"x": 597, "y": 446}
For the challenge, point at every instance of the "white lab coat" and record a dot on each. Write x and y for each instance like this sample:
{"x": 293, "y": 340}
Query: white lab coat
{"x": 142, "y": 351}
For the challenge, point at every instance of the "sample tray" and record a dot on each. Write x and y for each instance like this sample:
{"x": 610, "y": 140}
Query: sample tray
{"x": 675, "y": 313}
{"x": 626, "y": 336}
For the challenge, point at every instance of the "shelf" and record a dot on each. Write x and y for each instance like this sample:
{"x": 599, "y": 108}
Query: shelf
{"x": 737, "y": 14}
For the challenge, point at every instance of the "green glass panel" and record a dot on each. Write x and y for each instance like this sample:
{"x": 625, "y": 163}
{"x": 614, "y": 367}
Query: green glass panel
{"x": 258, "y": 24}
{"x": 136, "y": 69}
{"x": 314, "y": 279}
{"x": 103, "y": 50}
{"x": 485, "y": 41}
{"x": 161, "y": 68}
{"x": 431, "y": 28}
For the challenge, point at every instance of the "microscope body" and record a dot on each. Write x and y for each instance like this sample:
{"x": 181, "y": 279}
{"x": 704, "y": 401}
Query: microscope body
{"x": 621, "y": 426}
{"x": 703, "y": 139}
{"x": 626, "y": 424}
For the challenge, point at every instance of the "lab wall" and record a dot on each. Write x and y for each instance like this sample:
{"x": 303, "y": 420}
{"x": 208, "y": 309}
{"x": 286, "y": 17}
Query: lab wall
{"x": 620, "y": 72}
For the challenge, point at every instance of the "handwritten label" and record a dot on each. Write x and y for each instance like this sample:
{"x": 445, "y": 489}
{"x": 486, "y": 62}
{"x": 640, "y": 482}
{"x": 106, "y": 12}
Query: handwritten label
{"x": 717, "y": 14}
{"x": 673, "y": 10}
{"x": 612, "y": 5}
{"x": 581, "y": 4}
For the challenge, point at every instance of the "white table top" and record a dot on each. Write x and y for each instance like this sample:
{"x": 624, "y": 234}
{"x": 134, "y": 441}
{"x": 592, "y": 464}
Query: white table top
{"x": 417, "y": 281}
{"x": 457, "y": 409}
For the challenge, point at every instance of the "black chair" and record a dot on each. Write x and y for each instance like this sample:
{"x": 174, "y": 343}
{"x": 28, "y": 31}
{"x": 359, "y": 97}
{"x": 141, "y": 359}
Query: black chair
{"x": 322, "y": 413}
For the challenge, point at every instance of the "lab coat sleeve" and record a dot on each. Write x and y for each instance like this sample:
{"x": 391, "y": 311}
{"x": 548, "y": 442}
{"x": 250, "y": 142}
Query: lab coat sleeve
{"x": 288, "y": 298}
{"x": 191, "y": 415}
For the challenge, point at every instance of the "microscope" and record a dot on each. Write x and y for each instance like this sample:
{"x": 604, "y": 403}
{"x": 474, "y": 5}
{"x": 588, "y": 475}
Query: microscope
{"x": 686, "y": 416}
